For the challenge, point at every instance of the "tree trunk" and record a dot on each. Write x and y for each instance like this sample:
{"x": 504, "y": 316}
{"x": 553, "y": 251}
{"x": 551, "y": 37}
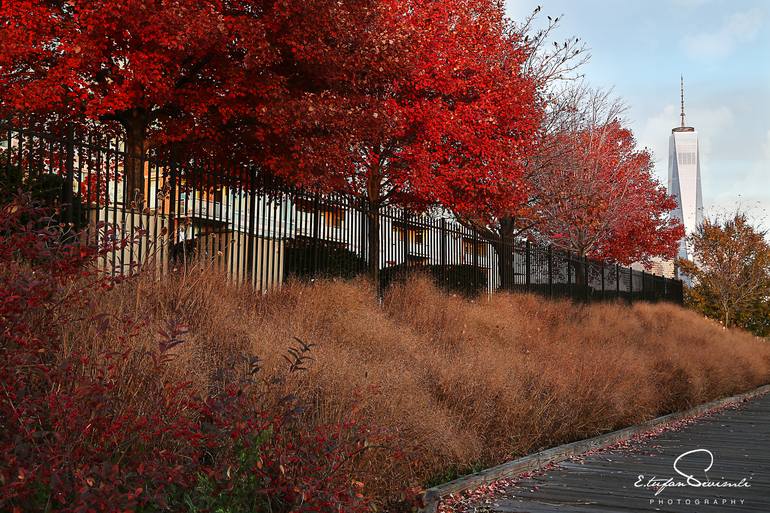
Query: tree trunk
{"x": 374, "y": 203}
{"x": 504, "y": 249}
{"x": 373, "y": 213}
{"x": 135, "y": 125}
{"x": 503, "y": 245}
{"x": 579, "y": 264}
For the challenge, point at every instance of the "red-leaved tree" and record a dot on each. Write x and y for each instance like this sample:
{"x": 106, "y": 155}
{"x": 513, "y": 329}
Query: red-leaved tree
{"x": 599, "y": 198}
{"x": 411, "y": 102}
{"x": 506, "y": 213}
{"x": 159, "y": 69}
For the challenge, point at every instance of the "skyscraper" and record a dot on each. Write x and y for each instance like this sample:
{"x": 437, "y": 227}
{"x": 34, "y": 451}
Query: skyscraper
{"x": 684, "y": 177}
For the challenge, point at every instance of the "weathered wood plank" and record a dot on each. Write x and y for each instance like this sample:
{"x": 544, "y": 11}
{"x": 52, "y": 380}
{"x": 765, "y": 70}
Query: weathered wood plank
{"x": 431, "y": 497}
{"x": 738, "y": 438}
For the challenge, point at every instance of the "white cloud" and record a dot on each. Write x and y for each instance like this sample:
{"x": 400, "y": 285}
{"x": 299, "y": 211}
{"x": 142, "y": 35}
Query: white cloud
{"x": 738, "y": 28}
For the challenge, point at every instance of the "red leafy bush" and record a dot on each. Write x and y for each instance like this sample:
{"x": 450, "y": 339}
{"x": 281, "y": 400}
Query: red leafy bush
{"x": 73, "y": 439}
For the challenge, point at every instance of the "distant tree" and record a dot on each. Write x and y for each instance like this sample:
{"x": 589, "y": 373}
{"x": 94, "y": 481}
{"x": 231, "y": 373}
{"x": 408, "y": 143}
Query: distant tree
{"x": 597, "y": 195}
{"x": 730, "y": 270}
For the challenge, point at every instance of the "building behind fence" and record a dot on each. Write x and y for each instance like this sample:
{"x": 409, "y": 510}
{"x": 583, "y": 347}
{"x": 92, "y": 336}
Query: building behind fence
{"x": 262, "y": 234}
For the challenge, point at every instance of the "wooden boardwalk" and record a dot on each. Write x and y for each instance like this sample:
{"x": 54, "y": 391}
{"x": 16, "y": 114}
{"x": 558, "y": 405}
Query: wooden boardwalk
{"x": 738, "y": 439}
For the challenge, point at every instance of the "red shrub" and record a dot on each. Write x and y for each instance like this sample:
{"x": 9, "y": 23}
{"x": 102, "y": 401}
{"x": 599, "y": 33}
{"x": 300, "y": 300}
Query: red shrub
{"x": 71, "y": 442}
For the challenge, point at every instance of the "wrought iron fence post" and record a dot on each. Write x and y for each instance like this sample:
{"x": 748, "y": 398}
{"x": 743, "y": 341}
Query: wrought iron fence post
{"x": 586, "y": 263}
{"x": 475, "y": 260}
{"x": 528, "y": 265}
{"x": 550, "y": 270}
{"x": 443, "y": 250}
{"x": 252, "y": 225}
{"x": 405, "y": 232}
{"x": 316, "y": 234}
{"x": 443, "y": 242}
{"x": 601, "y": 266}
{"x": 69, "y": 174}
{"x": 617, "y": 281}
{"x": 363, "y": 235}
{"x": 630, "y": 285}
{"x": 365, "y": 229}
{"x": 570, "y": 288}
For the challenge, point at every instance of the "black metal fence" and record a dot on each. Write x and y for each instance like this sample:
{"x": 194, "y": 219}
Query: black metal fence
{"x": 262, "y": 233}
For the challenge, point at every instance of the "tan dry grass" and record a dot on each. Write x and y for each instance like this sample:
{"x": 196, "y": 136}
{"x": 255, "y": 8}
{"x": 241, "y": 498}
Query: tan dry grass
{"x": 459, "y": 384}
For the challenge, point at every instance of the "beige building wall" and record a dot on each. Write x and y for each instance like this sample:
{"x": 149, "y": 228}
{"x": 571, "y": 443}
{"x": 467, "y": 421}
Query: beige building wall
{"x": 659, "y": 267}
{"x": 148, "y": 247}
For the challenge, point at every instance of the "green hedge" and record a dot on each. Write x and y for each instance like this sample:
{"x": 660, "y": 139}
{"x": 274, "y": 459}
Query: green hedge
{"x": 303, "y": 259}
{"x": 467, "y": 280}
{"x": 45, "y": 189}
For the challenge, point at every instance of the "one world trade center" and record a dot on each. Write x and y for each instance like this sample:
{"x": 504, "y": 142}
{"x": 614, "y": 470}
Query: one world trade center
{"x": 684, "y": 178}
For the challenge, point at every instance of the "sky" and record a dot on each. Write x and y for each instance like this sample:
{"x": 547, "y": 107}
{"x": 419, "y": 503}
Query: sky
{"x": 722, "y": 47}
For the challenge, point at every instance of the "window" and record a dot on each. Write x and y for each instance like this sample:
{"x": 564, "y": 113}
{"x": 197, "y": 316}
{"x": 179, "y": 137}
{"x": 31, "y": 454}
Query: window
{"x": 471, "y": 247}
{"x": 686, "y": 158}
{"x": 415, "y": 235}
{"x": 213, "y": 194}
{"x": 330, "y": 215}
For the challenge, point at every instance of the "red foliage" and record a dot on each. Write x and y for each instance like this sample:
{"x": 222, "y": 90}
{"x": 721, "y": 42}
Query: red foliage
{"x": 197, "y": 70}
{"x": 70, "y": 441}
{"x": 601, "y": 199}
{"x": 169, "y": 68}
{"x": 415, "y": 99}
{"x": 416, "y": 102}
{"x": 409, "y": 101}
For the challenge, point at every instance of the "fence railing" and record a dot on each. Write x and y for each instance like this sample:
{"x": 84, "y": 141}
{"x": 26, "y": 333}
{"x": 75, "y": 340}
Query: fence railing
{"x": 263, "y": 233}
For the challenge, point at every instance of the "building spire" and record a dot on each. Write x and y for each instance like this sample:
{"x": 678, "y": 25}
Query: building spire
{"x": 681, "y": 79}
